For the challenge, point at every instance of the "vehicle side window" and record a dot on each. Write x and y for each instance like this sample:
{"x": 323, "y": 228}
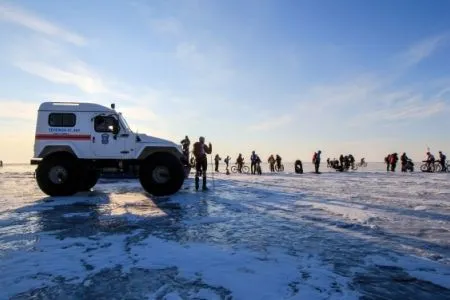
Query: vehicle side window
{"x": 62, "y": 120}
{"x": 104, "y": 123}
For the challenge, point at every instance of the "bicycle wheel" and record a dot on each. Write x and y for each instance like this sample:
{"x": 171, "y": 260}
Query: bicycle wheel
{"x": 234, "y": 169}
{"x": 245, "y": 169}
{"x": 424, "y": 168}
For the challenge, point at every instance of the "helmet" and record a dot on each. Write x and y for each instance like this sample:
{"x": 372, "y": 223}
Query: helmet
{"x": 201, "y": 139}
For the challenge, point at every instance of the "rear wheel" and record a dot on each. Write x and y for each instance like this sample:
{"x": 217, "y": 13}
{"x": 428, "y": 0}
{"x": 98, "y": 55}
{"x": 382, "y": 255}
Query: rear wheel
{"x": 245, "y": 169}
{"x": 58, "y": 175}
{"x": 161, "y": 174}
{"x": 234, "y": 169}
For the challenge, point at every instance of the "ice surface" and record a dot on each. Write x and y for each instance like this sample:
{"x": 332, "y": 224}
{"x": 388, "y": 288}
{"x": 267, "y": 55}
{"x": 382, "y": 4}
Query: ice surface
{"x": 366, "y": 234}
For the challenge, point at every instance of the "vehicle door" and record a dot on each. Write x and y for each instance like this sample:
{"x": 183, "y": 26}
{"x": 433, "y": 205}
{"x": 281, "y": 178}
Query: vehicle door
{"x": 105, "y": 139}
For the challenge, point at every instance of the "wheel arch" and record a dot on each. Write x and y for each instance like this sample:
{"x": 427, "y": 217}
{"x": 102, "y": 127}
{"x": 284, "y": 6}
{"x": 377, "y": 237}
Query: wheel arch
{"x": 151, "y": 152}
{"x": 50, "y": 151}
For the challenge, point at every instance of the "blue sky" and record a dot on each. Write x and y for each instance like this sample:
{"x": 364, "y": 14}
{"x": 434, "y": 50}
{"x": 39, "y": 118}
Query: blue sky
{"x": 287, "y": 77}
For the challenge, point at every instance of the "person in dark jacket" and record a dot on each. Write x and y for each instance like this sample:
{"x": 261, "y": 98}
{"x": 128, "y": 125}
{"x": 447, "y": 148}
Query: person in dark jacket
{"x": 387, "y": 160}
{"x": 253, "y": 158}
{"x": 185, "y": 145}
{"x": 404, "y": 161}
{"x": 393, "y": 161}
{"x": 240, "y": 162}
{"x": 442, "y": 160}
{"x": 317, "y": 161}
{"x": 201, "y": 150}
{"x": 271, "y": 162}
{"x": 217, "y": 159}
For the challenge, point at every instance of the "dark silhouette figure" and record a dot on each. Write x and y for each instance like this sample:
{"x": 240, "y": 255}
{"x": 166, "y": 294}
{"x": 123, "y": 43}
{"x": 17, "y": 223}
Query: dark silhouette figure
{"x": 200, "y": 152}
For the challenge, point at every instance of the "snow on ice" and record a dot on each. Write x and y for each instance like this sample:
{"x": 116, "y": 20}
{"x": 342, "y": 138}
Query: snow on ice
{"x": 357, "y": 235}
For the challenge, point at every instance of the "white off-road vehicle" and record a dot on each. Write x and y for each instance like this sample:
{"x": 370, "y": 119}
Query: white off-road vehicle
{"x": 76, "y": 142}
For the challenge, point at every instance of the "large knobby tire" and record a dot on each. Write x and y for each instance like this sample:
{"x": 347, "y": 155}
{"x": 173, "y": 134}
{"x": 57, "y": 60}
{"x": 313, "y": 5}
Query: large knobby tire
{"x": 161, "y": 174}
{"x": 58, "y": 175}
{"x": 89, "y": 180}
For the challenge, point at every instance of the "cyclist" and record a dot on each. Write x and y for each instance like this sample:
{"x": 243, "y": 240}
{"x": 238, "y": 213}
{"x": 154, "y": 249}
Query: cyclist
{"x": 430, "y": 161}
{"x": 240, "y": 162}
{"x": 278, "y": 161}
{"x": 442, "y": 159}
{"x": 271, "y": 162}
{"x": 404, "y": 159}
{"x": 253, "y": 162}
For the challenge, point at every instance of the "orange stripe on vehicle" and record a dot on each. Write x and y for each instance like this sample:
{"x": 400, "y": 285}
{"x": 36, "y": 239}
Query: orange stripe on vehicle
{"x": 78, "y": 137}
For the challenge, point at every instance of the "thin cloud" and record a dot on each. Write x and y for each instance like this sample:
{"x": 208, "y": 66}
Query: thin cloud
{"x": 423, "y": 49}
{"x": 271, "y": 124}
{"x": 77, "y": 75}
{"x": 18, "y": 16}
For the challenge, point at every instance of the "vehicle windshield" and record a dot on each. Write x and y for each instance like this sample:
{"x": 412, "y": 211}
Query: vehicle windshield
{"x": 124, "y": 123}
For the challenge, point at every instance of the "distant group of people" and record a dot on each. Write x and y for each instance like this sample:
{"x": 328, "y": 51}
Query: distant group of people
{"x": 408, "y": 165}
{"x": 344, "y": 163}
{"x": 274, "y": 161}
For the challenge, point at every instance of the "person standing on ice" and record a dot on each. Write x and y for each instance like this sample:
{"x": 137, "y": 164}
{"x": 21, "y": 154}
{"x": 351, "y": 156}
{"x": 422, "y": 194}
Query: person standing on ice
{"x": 185, "y": 144}
{"x": 240, "y": 162}
{"x": 387, "y": 160}
{"x": 393, "y": 161}
{"x": 200, "y": 152}
{"x": 442, "y": 159}
{"x": 217, "y": 159}
{"x": 258, "y": 165}
{"x": 271, "y": 162}
{"x": 227, "y": 161}
{"x": 278, "y": 160}
{"x": 317, "y": 161}
{"x": 253, "y": 162}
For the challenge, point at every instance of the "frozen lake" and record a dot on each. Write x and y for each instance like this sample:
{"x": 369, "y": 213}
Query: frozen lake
{"x": 358, "y": 235}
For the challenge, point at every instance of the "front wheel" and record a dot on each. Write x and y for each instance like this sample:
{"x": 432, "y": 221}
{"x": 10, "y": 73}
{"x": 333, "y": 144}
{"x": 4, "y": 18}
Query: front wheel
{"x": 234, "y": 169}
{"x": 424, "y": 168}
{"x": 245, "y": 169}
{"x": 58, "y": 175}
{"x": 161, "y": 174}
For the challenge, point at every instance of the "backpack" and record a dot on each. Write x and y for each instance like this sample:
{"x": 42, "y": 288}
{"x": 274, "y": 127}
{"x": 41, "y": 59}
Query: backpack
{"x": 314, "y": 157}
